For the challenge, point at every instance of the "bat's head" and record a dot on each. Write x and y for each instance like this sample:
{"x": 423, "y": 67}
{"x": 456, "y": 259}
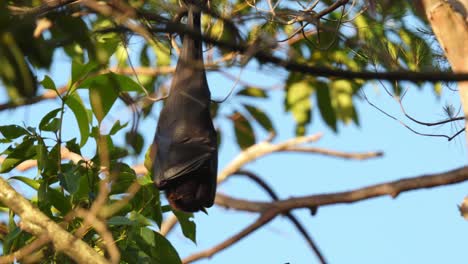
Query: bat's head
{"x": 190, "y": 193}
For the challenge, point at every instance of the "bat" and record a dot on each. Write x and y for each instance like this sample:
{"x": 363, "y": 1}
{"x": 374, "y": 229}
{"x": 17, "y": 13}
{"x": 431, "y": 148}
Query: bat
{"x": 186, "y": 161}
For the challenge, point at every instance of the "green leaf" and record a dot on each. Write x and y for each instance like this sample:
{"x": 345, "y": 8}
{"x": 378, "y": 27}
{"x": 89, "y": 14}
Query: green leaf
{"x": 85, "y": 178}
{"x": 117, "y": 127}
{"x": 187, "y": 224}
{"x": 69, "y": 178}
{"x": 148, "y": 203}
{"x": 145, "y": 180}
{"x": 58, "y": 200}
{"x": 49, "y": 122}
{"x": 103, "y": 95}
{"x": 124, "y": 177}
{"x": 149, "y": 156}
{"x": 41, "y": 155}
{"x": 53, "y": 159}
{"x": 73, "y": 146}
{"x": 342, "y": 101}
{"x": 10, "y": 239}
{"x": 253, "y": 92}
{"x": 28, "y": 181}
{"x": 299, "y": 104}
{"x": 125, "y": 83}
{"x": 49, "y": 84}
{"x": 135, "y": 140}
{"x": 157, "y": 247}
{"x": 13, "y": 131}
{"x": 244, "y": 133}
{"x": 81, "y": 71}
{"x": 325, "y": 105}
{"x": 260, "y": 116}
{"x": 119, "y": 221}
{"x": 24, "y": 151}
{"x": 76, "y": 105}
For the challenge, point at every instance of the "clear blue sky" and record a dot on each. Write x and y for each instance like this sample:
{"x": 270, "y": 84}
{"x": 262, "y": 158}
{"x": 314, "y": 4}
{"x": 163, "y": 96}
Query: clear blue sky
{"x": 417, "y": 227}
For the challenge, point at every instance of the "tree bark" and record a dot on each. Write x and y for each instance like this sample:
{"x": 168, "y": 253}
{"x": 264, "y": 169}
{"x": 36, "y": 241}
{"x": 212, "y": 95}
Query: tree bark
{"x": 449, "y": 22}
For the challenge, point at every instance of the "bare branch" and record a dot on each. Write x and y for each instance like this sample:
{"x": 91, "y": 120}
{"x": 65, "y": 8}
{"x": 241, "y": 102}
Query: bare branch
{"x": 334, "y": 153}
{"x": 393, "y": 188}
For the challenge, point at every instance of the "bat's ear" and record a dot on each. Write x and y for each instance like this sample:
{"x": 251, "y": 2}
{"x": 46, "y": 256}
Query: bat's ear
{"x": 203, "y": 209}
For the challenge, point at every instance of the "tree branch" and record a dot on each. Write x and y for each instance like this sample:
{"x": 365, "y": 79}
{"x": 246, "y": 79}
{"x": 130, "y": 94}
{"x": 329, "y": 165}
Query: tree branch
{"x": 393, "y": 188}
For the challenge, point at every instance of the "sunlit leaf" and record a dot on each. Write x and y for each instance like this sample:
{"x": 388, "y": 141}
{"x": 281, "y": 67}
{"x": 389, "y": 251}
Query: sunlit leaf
{"x": 187, "y": 224}
{"x": 253, "y": 92}
{"x": 244, "y": 132}
{"x": 299, "y": 104}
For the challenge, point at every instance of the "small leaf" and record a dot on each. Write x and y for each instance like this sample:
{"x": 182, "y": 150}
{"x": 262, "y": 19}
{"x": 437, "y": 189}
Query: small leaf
{"x": 260, "y": 117}
{"x": 325, "y": 105}
{"x": 13, "y": 131}
{"x": 81, "y": 71}
{"x": 342, "y": 102}
{"x": 28, "y": 181}
{"x": 70, "y": 178}
{"x": 117, "y": 127}
{"x": 76, "y": 105}
{"x": 157, "y": 247}
{"x": 253, "y": 92}
{"x": 73, "y": 146}
{"x": 124, "y": 175}
{"x": 135, "y": 140}
{"x": 24, "y": 151}
{"x": 58, "y": 200}
{"x": 47, "y": 122}
{"x": 119, "y": 221}
{"x": 187, "y": 224}
{"x": 41, "y": 155}
{"x": 49, "y": 84}
{"x": 103, "y": 95}
{"x": 244, "y": 133}
{"x": 299, "y": 104}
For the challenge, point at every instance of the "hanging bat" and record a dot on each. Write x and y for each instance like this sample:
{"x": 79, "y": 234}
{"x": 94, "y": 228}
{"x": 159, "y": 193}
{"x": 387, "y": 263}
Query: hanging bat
{"x": 186, "y": 160}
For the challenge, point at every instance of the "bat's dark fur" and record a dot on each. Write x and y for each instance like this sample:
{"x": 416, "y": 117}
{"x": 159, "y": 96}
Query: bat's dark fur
{"x": 186, "y": 159}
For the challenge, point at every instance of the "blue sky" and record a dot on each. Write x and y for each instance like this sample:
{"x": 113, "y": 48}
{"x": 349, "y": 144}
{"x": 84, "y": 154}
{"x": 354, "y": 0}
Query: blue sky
{"x": 417, "y": 227}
